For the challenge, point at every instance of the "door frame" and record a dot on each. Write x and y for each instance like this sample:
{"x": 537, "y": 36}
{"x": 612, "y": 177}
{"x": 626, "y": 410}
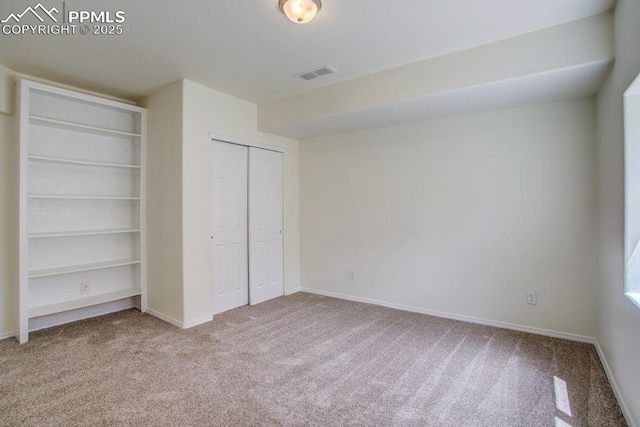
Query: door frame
{"x": 248, "y": 143}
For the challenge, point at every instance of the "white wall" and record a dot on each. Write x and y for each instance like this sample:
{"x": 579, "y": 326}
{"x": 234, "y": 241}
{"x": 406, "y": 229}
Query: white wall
{"x": 561, "y": 62}
{"x": 207, "y": 110}
{"x": 164, "y": 202}
{"x": 618, "y": 318}
{"x": 181, "y": 116}
{"x": 632, "y": 169}
{"x": 460, "y": 215}
{"x": 8, "y": 236}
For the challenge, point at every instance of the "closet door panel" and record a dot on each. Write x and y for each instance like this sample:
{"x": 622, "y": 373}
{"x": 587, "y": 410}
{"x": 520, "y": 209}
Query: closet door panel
{"x": 229, "y": 226}
{"x": 266, "y": 269}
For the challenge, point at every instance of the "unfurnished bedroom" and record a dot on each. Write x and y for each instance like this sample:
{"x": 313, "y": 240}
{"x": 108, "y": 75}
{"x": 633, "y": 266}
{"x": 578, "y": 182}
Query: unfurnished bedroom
{"x": 320, "y": 213}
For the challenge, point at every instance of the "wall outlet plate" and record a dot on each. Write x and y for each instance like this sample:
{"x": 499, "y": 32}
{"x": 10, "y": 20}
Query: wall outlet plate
{"x": 85, "y": 287}
{"x": 532, "y": 298}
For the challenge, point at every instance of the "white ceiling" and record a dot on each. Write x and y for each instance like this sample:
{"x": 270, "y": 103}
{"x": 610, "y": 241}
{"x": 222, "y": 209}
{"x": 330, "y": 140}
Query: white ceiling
{"x": 247, "y": 48}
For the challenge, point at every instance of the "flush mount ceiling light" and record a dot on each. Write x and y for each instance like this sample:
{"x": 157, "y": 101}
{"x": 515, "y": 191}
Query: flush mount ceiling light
{"x": 300, "y": 11}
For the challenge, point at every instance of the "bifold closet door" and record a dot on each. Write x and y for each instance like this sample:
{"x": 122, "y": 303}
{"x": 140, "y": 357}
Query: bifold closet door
{"x": 266, "y": 270}
{"x": 229, "y": 226}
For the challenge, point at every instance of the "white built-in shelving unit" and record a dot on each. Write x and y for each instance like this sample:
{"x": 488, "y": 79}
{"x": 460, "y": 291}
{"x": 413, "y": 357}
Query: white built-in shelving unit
{"x": 81, "y": 202}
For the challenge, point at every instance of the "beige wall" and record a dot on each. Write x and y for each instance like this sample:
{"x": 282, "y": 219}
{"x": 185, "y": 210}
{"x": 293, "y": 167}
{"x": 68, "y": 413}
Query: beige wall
{"x": 8, "y": 235}
{"x": 460, "y": 215}
{"x": 164, "y": 202}
{"x": 207, "y": 110}
{"x": 8, "y": 209}
{"x": 618, "y": 318}
{"x": 181, "y": 117}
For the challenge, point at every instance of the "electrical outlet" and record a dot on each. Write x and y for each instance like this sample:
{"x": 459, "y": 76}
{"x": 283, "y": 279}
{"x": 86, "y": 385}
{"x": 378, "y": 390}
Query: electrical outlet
{"x": 85, "y": 287}
{"x": 532, "y": 298}
{"x": 352, "y": 275}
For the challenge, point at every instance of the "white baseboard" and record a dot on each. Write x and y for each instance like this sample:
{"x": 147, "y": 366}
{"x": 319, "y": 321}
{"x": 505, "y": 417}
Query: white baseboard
{"x": 614, "y": 386}
{"x": 164, "y": 317}
{"x": 178, "y": 323}
{"x": 5, "y": 335}
{"x": 58, "y": 319}
{"x": 487, "y": 322}
{"x": 200, "y": 321}
{"x": 292, "y": 291}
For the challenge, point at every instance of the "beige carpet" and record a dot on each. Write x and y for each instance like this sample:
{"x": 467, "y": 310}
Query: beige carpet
{"x": 300, "y": 360}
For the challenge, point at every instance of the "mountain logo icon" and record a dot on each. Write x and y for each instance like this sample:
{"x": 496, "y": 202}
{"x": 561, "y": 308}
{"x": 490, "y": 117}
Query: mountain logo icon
{"x": 33, "y": 11}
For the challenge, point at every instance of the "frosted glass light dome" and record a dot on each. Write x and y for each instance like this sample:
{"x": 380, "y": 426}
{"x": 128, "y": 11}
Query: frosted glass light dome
{"x": 300, "y": 11}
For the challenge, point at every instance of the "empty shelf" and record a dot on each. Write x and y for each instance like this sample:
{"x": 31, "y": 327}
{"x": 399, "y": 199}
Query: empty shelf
{"x": 77, "y": 127}
{"x": 48, "y": 196}
{"x": 82, "y": 162}
{"x": 82, "y": 267}
{"x": 45, "y": 234}
{"x": 43, "y": 310}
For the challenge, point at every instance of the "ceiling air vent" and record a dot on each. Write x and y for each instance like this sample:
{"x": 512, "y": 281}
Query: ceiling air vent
{"x": 307, "y": 76}
{"x": 325, "y": 70}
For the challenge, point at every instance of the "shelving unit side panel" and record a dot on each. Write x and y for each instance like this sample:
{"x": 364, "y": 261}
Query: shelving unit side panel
{"x": 142, "y": 214}
{"x": 22, "y": 294}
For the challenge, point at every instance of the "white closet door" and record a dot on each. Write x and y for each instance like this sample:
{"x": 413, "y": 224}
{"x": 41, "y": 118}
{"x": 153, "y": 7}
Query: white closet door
{"x": 265, "y": 225}
{"x": 229, "y": 226}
